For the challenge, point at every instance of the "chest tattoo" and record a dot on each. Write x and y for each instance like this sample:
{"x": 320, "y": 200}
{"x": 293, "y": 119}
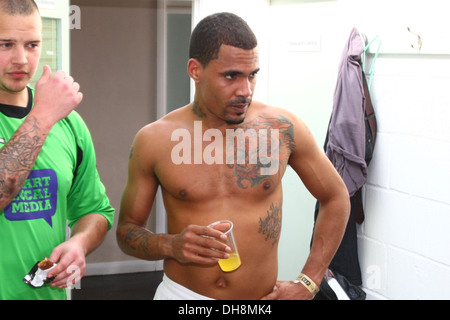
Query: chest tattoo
{"x": 262, "y": 148}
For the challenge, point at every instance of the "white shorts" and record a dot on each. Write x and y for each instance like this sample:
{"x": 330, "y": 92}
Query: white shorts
{"x": 170, "y": 290}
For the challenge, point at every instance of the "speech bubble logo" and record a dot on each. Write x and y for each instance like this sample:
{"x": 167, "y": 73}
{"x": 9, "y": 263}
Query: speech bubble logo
{"x": 37, "y": 199}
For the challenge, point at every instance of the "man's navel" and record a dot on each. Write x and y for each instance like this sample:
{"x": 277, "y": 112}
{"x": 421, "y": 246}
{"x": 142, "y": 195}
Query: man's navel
{"x": 221, "y": 283}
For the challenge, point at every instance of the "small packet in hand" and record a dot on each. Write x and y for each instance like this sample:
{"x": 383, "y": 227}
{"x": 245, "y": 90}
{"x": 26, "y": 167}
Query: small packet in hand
{"x": 37, "y": 276}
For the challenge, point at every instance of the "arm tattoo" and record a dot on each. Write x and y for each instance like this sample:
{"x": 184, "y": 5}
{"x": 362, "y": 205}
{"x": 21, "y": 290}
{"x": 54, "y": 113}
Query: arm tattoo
{"x": 17, "y": 158}
{"x": 271, "y": 225}
{"x": 137, "y": 239}
{"x": 248, "y": 173}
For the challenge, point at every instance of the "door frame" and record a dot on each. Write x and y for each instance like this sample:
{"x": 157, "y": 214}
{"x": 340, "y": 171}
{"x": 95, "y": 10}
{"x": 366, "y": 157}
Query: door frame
{"x": 164, "y": 9}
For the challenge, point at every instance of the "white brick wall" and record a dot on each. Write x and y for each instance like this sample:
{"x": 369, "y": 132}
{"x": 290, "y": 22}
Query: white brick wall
{"x": 404, "y": 241}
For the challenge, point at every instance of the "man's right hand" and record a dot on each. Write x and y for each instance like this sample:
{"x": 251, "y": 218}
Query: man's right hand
{"x": 199, "y": 244}
{"x": 56, "y": 97}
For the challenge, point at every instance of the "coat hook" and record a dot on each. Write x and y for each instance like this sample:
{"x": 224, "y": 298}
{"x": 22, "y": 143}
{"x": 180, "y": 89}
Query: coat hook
{"x": 419, "y": 40}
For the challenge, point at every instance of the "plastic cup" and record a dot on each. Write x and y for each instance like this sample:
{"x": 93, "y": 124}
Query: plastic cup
{"x": 234, "y": 261}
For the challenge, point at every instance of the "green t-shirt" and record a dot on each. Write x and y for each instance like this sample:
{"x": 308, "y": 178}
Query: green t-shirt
{"x": 63, "y": 186}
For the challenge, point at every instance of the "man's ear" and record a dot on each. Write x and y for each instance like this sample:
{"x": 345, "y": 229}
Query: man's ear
{"x": 195, "y": 69}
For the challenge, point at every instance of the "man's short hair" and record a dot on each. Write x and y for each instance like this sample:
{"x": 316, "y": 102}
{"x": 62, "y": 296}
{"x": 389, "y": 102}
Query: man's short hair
{"x": 217, "y": 30}
{"x": 18, "y": 7}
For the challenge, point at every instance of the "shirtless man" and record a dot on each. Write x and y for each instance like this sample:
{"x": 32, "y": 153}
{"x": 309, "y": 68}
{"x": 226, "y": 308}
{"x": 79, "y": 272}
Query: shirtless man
{"x": 201, "y": 186}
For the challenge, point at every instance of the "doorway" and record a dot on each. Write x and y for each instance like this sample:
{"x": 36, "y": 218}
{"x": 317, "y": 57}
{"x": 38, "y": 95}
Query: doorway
{"x": 174, "y": 31}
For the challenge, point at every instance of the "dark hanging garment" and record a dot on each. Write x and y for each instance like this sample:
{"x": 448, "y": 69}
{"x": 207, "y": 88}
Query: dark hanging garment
{"x": 346, "y": 145}
{"x": 349, "y": 145}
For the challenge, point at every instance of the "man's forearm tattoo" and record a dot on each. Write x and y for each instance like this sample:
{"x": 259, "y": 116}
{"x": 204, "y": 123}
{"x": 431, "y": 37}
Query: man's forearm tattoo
{"x": 18, "y": 156}
{"x": 138, "y": 239}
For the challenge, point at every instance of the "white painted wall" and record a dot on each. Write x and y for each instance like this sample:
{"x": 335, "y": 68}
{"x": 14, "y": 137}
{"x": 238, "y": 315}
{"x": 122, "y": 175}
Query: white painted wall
{"x": 404, "y": 241}
{"x": 302, "y": 79}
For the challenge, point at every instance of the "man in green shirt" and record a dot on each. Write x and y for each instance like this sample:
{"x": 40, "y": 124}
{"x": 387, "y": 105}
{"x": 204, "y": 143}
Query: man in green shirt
{"x": 48, "y": 175}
